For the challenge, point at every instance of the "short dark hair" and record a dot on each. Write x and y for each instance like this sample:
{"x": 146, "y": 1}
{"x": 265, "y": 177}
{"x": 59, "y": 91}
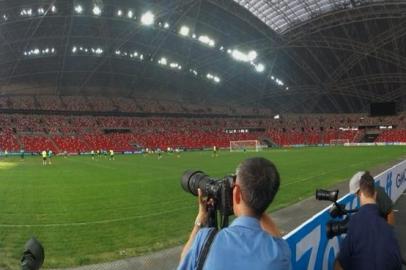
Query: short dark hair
{"x": 259, "y": 180}
{"x": 367, "y": 185}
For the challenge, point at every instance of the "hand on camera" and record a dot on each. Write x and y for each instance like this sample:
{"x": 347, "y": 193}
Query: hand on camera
{"x": 202, "y": 215}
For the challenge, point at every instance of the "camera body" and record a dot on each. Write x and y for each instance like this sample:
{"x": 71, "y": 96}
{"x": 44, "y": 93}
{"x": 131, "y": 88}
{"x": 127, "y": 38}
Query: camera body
{"x": 335, "y": 227}
{"x": 219, "y": 191}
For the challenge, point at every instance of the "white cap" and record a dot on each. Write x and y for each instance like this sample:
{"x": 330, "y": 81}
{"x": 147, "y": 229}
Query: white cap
{"x": 354, "y": 182}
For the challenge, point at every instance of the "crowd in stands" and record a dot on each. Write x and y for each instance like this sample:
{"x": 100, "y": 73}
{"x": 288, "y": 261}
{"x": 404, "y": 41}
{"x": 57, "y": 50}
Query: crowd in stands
{"x": 59, "y": 133}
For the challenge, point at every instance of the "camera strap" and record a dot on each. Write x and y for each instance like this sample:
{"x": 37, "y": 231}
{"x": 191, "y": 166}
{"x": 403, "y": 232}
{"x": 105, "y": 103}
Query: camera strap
{"x": 206, "y": 248}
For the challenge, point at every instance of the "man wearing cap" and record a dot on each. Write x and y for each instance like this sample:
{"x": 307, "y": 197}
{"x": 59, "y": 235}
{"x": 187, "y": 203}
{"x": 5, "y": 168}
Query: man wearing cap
{"x": 383, "y": 201}
{"x": 370, "y": 242}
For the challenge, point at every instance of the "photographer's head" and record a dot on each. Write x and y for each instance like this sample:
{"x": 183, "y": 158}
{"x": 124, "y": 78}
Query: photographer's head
{"x": 256, "y": 186}
{"x": 362, "y": 184}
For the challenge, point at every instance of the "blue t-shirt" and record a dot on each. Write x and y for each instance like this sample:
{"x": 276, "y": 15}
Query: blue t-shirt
{"x": 370, "y": 242}
{"x": 242, "y": 245}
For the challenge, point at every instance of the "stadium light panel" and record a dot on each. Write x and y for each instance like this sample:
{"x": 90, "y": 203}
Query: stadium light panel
{"x": 119, "y": 13}
{"x": 252, "y": 55}
{"x": 184, "y": 31}
{"x": 163, "y": 61}
{"x": 207, "y": 40}
{"x": 194, "y": 36}
{"x": 97, "y": 10}
{"x": 147, "y": 18}
{"x": 41, "y": 11}
{"x": 26, "y": 12}
{"x": 166, "y": 25}
{"x": 260, "y": 68}
{"x": 130, "y": 14}
{"x": 53, "y": 9}
{"x": 78, "y": 9}
{"x": 5, "y": 18}
{"x": 74, "y": 49}
{"x": 216, "y": 79}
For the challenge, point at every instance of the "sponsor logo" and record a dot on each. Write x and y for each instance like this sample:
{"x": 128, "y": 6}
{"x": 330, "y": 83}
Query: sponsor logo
{"x": 400, "y": 178}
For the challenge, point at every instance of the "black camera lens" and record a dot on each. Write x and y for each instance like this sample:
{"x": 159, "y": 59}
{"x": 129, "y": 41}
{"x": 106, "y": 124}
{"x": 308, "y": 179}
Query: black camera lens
{"x": 326, "y": 195}
{"x": 193, "y": 180}
{"x": 33, "y": 256}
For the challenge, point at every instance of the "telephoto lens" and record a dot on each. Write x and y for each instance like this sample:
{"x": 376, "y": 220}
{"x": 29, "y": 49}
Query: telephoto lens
{"x": 327, "y": 195}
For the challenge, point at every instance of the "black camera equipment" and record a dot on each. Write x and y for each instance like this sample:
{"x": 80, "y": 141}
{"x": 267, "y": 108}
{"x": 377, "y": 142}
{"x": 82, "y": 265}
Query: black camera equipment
{"x": 335, "y": 227}
{"x": 33, "y": 255}
{"x": 219, "y": 191}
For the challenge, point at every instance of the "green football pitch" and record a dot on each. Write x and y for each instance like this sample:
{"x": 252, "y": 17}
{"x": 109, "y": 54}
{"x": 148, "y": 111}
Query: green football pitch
{"x": 86, "y": 211}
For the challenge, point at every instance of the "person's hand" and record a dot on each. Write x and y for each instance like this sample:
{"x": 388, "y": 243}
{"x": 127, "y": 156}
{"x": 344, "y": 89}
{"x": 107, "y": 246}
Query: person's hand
{"x": 202, "y": 215}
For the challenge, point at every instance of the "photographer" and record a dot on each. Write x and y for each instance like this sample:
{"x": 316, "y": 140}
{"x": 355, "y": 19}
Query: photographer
{"x": 370, "y": 242}
{"x": 383, "y": 201}
{"x": 252, "y": 241}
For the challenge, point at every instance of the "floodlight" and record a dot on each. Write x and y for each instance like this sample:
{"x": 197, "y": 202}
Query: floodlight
{"x": 287, "y": 88}
{"x": 97, "y": 10}
{"x": 5, "y": 17}
{"x": 194, "y": 36}
{"x": 147, "y": 18}
{"x": 130, "y": 14}
{"x": 53, "y": 9}
{"x": 74, "y": 49}
{"x": 163, "y": 61}
{"x": 184, "y": 31}
{"x": 41, "y": 11}
{"x": 53, "y": 50}
{"x": 78, "y": 9}
{"x": 252, "y": 55}
{"x": 207, "y": 40}
{"x": 260, "y": 68}
{"x": 166, "y": 25}
{"x": 216, "y": 79}
{"x": 117, "y": 52}
{"x": 119, "y": 13}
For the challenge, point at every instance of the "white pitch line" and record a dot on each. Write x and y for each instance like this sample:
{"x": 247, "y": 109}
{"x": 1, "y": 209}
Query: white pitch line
{"x": 91, "y": 222}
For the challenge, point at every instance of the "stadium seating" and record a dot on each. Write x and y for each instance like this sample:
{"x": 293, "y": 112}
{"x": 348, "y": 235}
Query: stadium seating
{"x": 392, "y": 136}
{"x": 36, "y": 132}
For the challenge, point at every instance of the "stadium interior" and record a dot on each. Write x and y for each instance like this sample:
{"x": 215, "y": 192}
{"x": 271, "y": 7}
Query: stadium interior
{"x": 132, "y": 75}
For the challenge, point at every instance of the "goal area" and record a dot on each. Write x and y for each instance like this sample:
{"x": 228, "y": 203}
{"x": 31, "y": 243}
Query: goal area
{"x": 247, "y": 145}
{"x": 339, "y": 141}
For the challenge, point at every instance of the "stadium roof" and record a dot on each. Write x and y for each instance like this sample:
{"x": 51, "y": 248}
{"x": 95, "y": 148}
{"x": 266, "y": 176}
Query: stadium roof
{"x": 290, "y": 56}
{"x": 281, "y": 15}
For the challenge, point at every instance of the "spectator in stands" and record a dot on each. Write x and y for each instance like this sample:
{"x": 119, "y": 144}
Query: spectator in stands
{"x": 252, "y": 241}
{"x": 370, "y": 242}
{"x": 383, "y": 201}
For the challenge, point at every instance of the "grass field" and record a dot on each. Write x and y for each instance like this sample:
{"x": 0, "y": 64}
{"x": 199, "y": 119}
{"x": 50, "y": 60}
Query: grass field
{"x": 87, "y": 211}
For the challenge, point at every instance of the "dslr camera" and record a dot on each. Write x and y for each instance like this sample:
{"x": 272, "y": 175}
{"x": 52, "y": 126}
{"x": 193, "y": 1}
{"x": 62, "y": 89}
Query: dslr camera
{"x": 219, "y": 191}
{"x": 340, "y": 216}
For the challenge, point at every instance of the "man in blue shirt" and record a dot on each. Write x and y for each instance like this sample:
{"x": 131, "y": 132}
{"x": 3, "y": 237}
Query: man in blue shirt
{"x": 370, "y": 242}
{"x": 252, "y": 241}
